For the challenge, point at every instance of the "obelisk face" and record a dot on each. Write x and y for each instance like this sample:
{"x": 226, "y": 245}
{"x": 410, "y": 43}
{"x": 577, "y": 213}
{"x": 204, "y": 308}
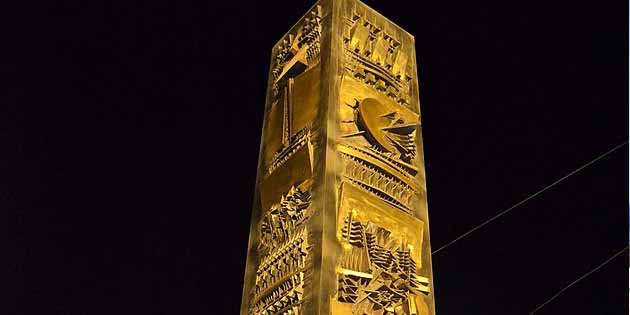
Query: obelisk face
{"x": 340, "y": 223}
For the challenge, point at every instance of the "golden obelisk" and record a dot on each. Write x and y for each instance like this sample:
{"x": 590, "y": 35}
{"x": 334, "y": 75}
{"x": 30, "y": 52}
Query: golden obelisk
{"x": 339, "y": 222}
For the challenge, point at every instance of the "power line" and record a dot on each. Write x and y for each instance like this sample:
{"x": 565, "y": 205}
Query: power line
{"x": 578, "y": 280}
{"x": 526, "y": 199}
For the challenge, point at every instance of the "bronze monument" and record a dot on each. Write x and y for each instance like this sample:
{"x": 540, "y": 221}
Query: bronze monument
{"x": 339, "y": 222}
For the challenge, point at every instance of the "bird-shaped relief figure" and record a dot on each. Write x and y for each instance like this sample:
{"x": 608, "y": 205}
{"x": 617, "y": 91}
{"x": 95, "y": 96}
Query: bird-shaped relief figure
{"x": 389, "y": 127}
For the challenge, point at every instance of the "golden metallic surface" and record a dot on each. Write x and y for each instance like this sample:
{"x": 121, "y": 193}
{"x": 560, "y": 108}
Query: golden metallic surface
{"x": 340, "y": 223}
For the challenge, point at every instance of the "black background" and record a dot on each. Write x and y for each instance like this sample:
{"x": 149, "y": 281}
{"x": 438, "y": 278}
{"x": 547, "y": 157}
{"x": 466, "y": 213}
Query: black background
{"x": 130, "y": 133}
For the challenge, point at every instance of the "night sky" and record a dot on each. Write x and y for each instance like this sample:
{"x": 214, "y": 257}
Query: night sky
{"x": 130, "y": 132}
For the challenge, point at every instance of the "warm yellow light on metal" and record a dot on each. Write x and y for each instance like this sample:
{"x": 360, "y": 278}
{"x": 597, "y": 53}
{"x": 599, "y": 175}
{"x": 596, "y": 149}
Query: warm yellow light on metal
{"x": 340, "y": 223}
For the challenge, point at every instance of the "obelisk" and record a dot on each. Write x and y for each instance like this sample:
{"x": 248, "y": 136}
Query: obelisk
{"x": 339, "y": 222}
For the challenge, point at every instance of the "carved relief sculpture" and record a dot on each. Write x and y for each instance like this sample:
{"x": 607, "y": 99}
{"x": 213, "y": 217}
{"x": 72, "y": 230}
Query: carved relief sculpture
{"x": 339, "y": 222}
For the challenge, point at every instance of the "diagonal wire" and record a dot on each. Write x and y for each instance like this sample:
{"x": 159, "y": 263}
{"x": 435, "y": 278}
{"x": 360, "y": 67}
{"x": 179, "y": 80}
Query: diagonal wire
{"x": 578, "y": 280}
{"x": 528, "y": 198}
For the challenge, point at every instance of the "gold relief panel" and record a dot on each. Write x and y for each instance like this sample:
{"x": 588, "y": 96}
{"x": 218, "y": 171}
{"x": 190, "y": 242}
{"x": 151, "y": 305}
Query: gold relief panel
{"x": 290, "y": 116}
{"x": 384, "y": 265}
{"x": 385, "y": 123}
{"x": 294, "y": 88}
{"x": 379, "y": 270}
{"x": 378, "y": 146}
{"x": 295, "y": 169}
{"x": 299, "y": 50}
{"x": 366, "y": 207}
{"x": 279, "y": 262}
{"x": 379, "y": 122}
{"x": 285, "y": 252}
{"x": 375, "y": 56}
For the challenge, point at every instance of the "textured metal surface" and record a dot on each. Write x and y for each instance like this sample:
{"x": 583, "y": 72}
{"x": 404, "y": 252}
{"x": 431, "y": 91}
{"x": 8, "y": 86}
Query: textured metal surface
{"x": 339, "y": 223}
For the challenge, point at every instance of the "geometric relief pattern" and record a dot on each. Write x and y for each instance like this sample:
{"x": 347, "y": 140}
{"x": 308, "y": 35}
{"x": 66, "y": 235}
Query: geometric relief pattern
{"x": 295, "y": 143}
{"x": 283, "y": 248}
{"x": 381, "y": 162}
{"x": 298, "y": 50}
{"x": 280, "y": 279}
{"x": 379, "y": 270}
{"x": 382, "y": 184}
{"x": 376, "y": 58}
{"x": 387, "y": 282}
{"x": 279, "y": 285}
{"x": 294, "y": 87}
{"x": 279, "y": 223}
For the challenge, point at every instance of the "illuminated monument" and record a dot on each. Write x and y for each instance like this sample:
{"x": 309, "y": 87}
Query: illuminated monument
{"x": 339, "y": 223}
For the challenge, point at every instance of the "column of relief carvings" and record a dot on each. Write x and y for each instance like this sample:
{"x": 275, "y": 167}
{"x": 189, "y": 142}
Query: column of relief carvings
{"x": 283, "y": 250}
{"x": 384, "y": 266}
{"x": 340, "y": 224}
